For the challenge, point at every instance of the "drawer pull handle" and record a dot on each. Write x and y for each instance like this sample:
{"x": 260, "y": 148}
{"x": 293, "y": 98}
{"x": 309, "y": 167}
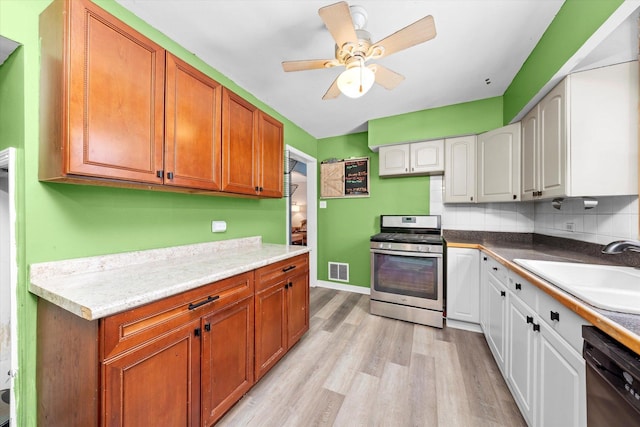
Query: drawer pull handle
{"x": 518, "y": 286}
{"x": 207, "y": 327}
{"x": 529, "y": 319}
{"x": 555, "y": 315}
{"x": 193, "y": 306}
{"x": 503, "y": 294}
{"x": 291, "y": 267}
{"x": 536, "y": 327}
{"x": 495, "y": 268}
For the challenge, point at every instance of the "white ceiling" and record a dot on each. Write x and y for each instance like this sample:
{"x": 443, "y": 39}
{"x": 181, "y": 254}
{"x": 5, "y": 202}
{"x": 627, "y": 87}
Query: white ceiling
{"x": 246, "y": 40}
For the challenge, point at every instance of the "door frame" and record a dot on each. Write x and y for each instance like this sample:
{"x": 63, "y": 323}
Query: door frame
{"x": 312, "y": 210}
{"x": 8, "y": 161}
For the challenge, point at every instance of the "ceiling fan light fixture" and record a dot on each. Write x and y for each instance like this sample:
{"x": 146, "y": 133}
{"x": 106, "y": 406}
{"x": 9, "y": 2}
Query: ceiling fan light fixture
{"x": 356, "y": 81}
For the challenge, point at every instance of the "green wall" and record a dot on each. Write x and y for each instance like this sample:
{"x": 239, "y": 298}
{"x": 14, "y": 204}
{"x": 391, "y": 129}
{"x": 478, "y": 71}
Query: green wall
{"x": 453, "y": 120}
{"x": 346, "y": 224}
{"x": 575, "y": 22}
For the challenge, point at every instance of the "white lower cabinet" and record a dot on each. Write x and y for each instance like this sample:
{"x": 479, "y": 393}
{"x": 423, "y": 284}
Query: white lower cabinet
{"x": 522, "y": 356}
{"x": 561, "y": 395}
{"x": 496, "y": 320}
{"x": 463, "y": 287}
{"x": 533, "y": 339}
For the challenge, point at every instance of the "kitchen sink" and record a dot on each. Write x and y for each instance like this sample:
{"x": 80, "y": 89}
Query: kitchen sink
{"x": 603, "y": 286}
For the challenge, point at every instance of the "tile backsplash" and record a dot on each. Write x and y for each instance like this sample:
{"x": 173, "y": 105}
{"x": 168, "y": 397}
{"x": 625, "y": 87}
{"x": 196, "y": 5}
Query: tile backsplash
{"x": 614, "y": 218}
{"x": 512, "y": 217}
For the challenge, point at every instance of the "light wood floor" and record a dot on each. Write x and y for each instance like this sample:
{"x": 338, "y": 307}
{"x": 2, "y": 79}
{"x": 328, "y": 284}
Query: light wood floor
{"x": 356, "y": 369}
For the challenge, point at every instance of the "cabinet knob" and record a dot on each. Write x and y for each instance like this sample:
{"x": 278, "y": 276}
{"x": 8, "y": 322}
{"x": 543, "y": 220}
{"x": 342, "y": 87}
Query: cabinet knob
{"x": 539, "y": 193}
{"x": 484, "y": 258}
{"x": 536, "y": 327}
{"x": 291, "y": 284}
{"x": 196, "y": 332}
{"x": 518, "y": 286}
{"x": 170, "y": 175}
{"x": 503, "y": 294}
{"x": 160, "y": 174}
{"x": 207, "y": 327}
{"x": 515, "y": 197}
{"x": 286, "y": 285}
{"x": 555, "y": 315}
{"x": 529, "y": 319}
{"x": 471, "y": 198}
{"x": 494, "y": 268}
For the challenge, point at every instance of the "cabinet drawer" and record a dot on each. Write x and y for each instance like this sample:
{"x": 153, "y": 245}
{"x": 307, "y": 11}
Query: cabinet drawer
{"x": 524, "y": 290}
{"x": 497, "y": 269}
{"x": 272, "y": 273}
{"x": 129, "y": 329}
{"x": 565, "y": 322}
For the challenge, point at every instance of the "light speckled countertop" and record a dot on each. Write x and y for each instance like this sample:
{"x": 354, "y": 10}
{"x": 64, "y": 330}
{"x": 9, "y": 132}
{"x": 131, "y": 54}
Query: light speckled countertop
{"x": 96, "y": 287}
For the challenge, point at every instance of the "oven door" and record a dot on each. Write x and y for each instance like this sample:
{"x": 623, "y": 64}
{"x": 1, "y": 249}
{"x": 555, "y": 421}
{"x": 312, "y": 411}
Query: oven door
{"x": 408, "y": 278}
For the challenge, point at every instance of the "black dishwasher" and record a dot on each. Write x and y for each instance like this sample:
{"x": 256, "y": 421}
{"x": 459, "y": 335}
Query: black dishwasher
{"x": 613, "y": 381}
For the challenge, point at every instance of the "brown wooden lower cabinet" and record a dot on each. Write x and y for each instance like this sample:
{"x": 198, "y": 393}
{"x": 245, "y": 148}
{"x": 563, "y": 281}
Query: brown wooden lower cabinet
{"x": 156, "y": 384}
{"x": 282, "y": 310}
{"x": 181, "y": 361}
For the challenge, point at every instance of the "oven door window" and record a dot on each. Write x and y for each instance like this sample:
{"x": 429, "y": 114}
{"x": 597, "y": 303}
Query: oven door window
{"x": 406, "y": 275}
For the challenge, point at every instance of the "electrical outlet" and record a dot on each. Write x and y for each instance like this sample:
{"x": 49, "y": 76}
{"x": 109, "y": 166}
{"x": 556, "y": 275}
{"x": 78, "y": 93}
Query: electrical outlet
{"x": 569, "y": 226}
{"x": 218, "y": 226}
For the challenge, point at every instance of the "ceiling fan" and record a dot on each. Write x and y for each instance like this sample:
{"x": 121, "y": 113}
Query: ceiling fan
{"x": 354, "y": 48}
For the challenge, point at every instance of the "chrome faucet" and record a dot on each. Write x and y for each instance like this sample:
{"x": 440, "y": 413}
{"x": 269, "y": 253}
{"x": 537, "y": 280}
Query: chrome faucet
{"x": 620, "y": 246}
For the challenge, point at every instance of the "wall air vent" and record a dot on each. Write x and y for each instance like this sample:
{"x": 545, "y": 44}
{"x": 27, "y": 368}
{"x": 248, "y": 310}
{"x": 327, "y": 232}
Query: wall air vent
{"x": 339, "y": 271}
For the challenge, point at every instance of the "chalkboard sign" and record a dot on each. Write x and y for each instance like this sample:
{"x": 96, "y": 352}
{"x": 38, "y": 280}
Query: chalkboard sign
{"x": 356, "y": 177}
{"x": 345, "y": 178}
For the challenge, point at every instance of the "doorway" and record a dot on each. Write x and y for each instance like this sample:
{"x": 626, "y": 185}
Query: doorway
{"x": 302, "y": 222}
{"x": 8, "y": 287}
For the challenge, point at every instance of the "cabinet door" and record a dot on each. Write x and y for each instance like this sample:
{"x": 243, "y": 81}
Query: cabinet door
{"x": 499, "y": 164}
{"x": 192, "y": 127}
{"x": 522, "y": 355}
{"x": 427, "y": 156}
{"x": 157, "y": 384}
{"x": 463, "y": 285}
{"x": 496, "y": 334}
{"x": 561, "y": 395}
{"x": 460, "y": 170}
{"x": 271, "y": 156}
{"x": 271, "y": 327}
{"x": 227, "y": 358}
{"x": 115, "y": 108}
{"x": 297, "y": 307}
{"x": 394, "y": 160}
{"x": 553, "y": 142}
{"x": 530, "y": 167}
{"x": 239, "y": 151}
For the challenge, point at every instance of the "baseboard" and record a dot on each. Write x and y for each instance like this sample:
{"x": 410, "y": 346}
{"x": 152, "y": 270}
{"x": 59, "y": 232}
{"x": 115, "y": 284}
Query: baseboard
{"x": 459, "y": 324}
{"x": 343, "y": 287}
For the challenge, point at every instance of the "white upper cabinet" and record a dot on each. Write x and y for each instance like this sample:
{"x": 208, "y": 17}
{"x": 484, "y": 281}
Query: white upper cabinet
{"x": 460, "y": 169}
{"x": 498, "y": 160}
{"x": 582, "y": 137}
{"x": 418, "y": 158}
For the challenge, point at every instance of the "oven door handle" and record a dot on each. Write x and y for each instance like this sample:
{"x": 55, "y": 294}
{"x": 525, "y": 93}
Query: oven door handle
{"x": 403, "y": 253}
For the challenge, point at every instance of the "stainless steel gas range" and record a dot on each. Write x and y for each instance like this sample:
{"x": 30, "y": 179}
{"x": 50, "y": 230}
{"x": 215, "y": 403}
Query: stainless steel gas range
{"x": 407, "y": 267}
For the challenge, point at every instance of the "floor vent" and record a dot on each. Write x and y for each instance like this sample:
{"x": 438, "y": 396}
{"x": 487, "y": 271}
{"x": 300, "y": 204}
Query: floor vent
{"x": 339, "y": 271}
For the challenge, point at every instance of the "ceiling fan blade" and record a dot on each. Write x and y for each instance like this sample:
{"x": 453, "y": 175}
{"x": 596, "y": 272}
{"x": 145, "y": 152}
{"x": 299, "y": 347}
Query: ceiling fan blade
{"x": 385, "y": 77}
{"x": 309, "y": 64}
{"x": 337, "y": 19}
{"x": 333, "y": 91}
{"x": 411, "y": 35}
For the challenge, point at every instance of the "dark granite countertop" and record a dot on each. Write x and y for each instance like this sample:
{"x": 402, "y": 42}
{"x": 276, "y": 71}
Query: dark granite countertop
{"x": 509, "y": 246}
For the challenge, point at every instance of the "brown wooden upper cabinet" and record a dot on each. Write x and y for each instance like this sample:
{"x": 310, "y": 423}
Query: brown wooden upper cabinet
{"x": 118, "y": 110}
{"x": 192, "y": 127}
{"x": 251, "y": 149}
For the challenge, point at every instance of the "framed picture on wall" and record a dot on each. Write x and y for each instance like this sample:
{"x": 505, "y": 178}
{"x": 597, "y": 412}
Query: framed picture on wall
{"x": 344, "y": 178}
